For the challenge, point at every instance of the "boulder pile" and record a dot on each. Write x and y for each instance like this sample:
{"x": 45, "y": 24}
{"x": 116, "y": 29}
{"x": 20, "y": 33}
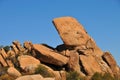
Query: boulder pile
{"x": 78, "y": 53}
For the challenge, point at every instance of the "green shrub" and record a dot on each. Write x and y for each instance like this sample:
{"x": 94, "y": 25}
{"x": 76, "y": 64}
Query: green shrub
{"x": 6, "y": 77}
{"x": 3, "y": 70}
{"x": 97, "y": 76}
{"x": 106, "y": 76}
{"x": 42, "y": 70}
{"x": 73, "y": 75}
{"x": 6, "y": 48}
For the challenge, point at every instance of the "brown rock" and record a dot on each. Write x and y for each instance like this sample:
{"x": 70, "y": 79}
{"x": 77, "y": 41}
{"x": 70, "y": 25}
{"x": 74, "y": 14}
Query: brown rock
{"x": 49, "y": 56}
{"x": 57, "y": 75}
{"x": 2, "y": 61}
{"x": 49, "y": 78}
{"x": 18, "y": 46}
{"x": 9, "y": 62}
{"x": 3, "y": 53}
{"x": 31, "y": 77}
{"x": 28, "y": 45}
{"x": 14, "y": 48}
{"x": 11, "y": 53}
{"x": 108, "y": 58}
{"x": 28, "y": 63}
{"x": 73, "y": 64}
{"x": 5, "y": 56}
{"x": 67, "y": 27}
{"x": 63, "y": 75}
{"x": 90, "y": 65}
{"x": 13, "y": 72}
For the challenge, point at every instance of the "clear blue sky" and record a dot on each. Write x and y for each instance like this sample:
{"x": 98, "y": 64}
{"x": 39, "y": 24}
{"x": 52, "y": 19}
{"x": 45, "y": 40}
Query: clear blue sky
{"x": 31, "y": 20}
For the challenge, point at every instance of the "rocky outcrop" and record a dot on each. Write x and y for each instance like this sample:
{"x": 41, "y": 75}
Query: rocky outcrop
{"x": 48, "y": 55}
{"x": 78, "y": 53}
{"x": 76, "y": 38}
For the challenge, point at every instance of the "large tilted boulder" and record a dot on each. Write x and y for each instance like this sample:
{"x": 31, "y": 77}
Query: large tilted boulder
{"x": 71, "y": 32}
{"x": 28, "y": 63}
{"x": 48, "y": 55}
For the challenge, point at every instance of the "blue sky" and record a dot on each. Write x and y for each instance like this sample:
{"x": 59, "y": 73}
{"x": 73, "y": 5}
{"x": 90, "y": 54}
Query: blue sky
{"x": 31, "y": 20}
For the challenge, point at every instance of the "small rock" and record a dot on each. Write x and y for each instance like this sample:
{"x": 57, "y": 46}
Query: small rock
{"x": 13, "y": 72}
{"x": 31, "y": 77}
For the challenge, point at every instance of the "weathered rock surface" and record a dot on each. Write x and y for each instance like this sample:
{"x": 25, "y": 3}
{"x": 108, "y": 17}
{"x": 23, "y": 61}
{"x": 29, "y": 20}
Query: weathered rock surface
{"x": 11, "y": 53}
{"x": 73, "y": 34}
{"x": 28, "y": 45}
{"x": 14, "y": 48}
{"x": 108, "y": 58}
{"x": 90, "y": 65}
{"x": 34, "y": 77}
{"x": 3, "y": 53}
{"x": 28, "y": 63}
{"x": 18, "y": 45}
{"x": 49, "y": 56}
{"x": 73, "y": 64}
{"x": 31, "y": 77}
{"x": 13, "y": 72}
{"x": 2, "y": 61}
{"x": 67, "y": 27}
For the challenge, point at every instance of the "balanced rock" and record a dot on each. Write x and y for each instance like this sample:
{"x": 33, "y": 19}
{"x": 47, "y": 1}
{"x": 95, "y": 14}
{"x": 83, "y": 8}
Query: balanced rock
{"x": 71, "y": 31}
{"x": 73, "y": 34}
{"x": 48, "y": 55}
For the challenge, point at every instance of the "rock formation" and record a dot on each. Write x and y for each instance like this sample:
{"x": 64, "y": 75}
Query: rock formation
{"x": 79, "y": 53}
